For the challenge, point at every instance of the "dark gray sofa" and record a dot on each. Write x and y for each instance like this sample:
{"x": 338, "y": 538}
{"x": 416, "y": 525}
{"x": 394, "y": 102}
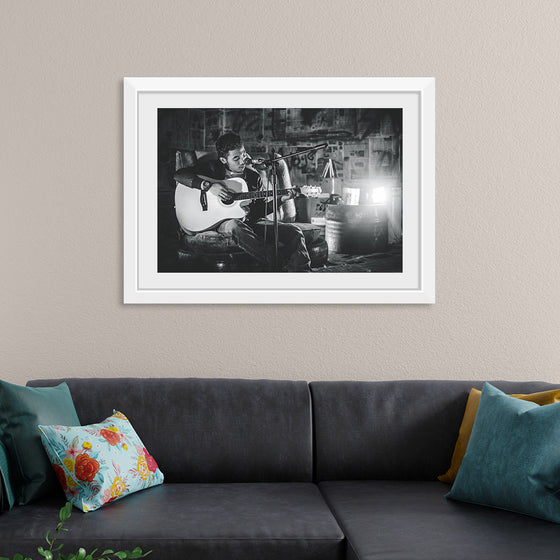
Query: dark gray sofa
{"x": 289, "y": 470}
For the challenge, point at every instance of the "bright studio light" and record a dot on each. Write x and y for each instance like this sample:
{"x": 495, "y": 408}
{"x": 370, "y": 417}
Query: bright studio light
{"x": 379, "y": 195}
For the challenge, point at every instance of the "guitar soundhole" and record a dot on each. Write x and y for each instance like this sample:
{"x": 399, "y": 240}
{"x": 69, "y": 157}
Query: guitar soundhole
{"x": 228, "y": 202}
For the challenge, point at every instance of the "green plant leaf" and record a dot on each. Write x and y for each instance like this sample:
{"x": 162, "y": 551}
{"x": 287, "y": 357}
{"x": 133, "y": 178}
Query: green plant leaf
{"x": 64, "y": 514}
{"x": 46, "y": 554}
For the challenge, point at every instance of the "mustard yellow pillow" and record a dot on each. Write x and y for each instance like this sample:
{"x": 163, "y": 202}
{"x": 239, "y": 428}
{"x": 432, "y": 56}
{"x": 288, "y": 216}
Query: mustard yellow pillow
{"x": 541, "y": 398}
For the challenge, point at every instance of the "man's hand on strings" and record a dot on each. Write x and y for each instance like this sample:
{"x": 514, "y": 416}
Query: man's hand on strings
{"x": 222, "y": 192}
{"x": 287, "y": 197}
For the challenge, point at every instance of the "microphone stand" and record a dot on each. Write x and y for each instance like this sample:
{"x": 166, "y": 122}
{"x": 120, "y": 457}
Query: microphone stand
{"x": 273, "y": 163}
{"x": 274, "y": 167}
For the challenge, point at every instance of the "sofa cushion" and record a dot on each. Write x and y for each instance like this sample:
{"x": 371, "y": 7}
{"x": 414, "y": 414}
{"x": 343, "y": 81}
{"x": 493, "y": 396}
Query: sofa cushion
{"x": 400, "y": 430}
{"x": 541, "y": 398}
{"x": 99, "y": 463}
{"x": 209, "y": 430}
{"x": 411, "y": 520}
{"x": 194, "y": 522}
{"x": 513, "y": 457}
{"x": 21, "y": 410}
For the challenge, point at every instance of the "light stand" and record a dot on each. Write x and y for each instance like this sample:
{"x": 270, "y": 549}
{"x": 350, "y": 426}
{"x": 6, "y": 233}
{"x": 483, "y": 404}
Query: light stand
{"x": 330, "y": 173}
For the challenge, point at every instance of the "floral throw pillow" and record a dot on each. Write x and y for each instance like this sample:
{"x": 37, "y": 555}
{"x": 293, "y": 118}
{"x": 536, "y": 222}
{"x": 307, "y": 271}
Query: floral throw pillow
{"x": 99, "y": 463}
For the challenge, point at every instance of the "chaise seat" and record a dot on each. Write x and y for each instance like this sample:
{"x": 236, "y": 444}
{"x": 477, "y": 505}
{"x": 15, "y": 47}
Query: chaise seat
{"x": 194, "y": 522}
{"x": 411, "y": 520}
{"x": 211, "y": 251}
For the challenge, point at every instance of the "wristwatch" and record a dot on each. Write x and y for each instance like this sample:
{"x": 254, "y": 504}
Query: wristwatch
{"x": 205, "y": 185}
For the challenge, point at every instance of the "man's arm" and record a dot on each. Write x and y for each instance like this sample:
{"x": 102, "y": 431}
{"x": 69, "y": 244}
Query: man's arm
{"x": 283, "y": 182}
{"x": 188, "y": 177}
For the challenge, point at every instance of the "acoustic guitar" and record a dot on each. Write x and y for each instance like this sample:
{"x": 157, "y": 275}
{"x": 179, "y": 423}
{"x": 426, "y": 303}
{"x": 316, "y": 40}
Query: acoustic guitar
{"x": 193, "y": 218}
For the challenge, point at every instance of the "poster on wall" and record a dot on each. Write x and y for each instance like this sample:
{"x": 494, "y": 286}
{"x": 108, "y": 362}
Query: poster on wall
{"x": 269, "y": 190}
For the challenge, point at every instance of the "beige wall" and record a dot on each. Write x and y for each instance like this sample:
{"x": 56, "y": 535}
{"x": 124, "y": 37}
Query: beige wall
{"x": 498, "y": 189}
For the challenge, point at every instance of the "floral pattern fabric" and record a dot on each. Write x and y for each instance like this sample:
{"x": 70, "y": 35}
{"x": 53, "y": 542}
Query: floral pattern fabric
{"x": 99, "y": 463}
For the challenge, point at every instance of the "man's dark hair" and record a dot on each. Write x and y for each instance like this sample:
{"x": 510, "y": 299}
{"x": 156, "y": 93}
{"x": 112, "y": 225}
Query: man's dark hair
{"x": 227, "y": 142}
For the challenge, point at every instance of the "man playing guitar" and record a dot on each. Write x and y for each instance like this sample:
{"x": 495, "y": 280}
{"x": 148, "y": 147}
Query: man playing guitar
{"x": 245, "y": 227}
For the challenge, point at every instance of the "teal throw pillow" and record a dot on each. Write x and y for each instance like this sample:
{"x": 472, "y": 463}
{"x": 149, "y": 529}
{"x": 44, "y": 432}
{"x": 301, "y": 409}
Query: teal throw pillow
{"x": 99, "y": 463}
{"x": 7, "y": 498}
{"x": 21, "y": 410}
{"x": 513, "y": 457}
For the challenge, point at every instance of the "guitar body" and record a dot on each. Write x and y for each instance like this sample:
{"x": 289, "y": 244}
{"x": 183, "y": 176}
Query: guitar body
{"x": 193, "y": 218}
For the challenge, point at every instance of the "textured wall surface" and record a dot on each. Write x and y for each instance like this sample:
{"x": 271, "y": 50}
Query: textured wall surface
{"x": 497, "y": 192}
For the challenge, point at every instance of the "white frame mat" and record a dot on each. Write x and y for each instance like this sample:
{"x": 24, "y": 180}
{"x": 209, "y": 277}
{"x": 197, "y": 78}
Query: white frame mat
{"x": 142, "y": 282}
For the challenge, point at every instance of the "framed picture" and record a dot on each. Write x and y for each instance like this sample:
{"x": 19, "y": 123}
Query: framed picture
{"x": 352, "y": 164}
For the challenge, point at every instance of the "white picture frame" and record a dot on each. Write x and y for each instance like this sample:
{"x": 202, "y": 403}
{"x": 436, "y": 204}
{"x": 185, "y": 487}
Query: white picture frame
{"x": 144, "y": 284}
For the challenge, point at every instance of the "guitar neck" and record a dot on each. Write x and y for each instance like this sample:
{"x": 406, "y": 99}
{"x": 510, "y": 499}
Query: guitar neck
{"x": 247, "y": 195}
{"x": 260, "y": 194}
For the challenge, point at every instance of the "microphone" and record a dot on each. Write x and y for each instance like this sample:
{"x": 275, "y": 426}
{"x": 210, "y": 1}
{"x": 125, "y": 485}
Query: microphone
{"x": 250, "y": 160}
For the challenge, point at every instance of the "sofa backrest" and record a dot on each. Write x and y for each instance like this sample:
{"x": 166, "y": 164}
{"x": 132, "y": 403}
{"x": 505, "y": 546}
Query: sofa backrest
{"x": 208, "y": 430}
{"x": 400, "y": 430}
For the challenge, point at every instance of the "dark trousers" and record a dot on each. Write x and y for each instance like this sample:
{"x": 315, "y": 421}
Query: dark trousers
{"x": 292, "y": 252}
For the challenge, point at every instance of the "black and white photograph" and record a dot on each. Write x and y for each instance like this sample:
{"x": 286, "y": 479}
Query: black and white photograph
{"x": 290, "y": 190}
